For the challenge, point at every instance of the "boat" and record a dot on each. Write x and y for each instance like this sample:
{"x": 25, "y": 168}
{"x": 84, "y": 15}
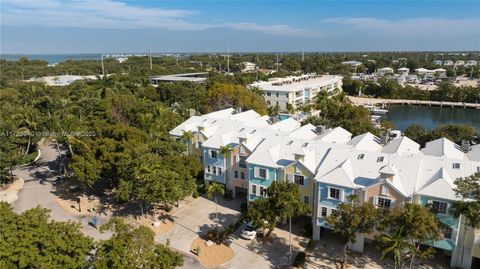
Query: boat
{"x": 375, "y": 110}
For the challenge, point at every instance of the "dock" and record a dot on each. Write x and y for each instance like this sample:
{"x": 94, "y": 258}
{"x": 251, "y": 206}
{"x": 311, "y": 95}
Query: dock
{"x": 385, "y": 102}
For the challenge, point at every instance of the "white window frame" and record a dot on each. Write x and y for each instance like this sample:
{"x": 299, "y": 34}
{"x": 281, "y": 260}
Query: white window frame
{"x": 326, "y": 211}
{"x": 209, "y": 169}
{"x": 214, "y": 170}
{"x": 440, "y": 202}
{"x": 260, "y": 173}
{"x": 380, "y": 159}
{"x": 376, "y": 200}
{"x": 456, "y": 166}
{"x": 360, "y": 156}
{"x": 303, "y": 179}
{"x": 340, "y": 191}
{"x": 219, "y": 170}
{"x": 254, "y": 190}
{"x": 211, "y": 153}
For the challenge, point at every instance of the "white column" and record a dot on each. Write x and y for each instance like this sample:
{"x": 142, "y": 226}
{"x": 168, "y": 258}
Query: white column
{"x": 462, "y": 253}
{"x": 358, "y": 245}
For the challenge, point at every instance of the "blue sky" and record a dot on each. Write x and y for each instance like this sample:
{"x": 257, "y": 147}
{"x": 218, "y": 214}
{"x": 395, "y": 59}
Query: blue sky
{"x": 102, "y": 26}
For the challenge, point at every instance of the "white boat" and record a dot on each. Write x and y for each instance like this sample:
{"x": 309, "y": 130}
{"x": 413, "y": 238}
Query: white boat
{"x": 375, "y": 110}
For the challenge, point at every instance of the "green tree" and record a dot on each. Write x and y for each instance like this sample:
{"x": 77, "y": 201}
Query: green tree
{"x": 213, "y": 190}
{"x": 131, "y": 247}
{"x": 468, "y": 190}
{"x": 31, "y": 240}
{"x": 187, "y": 137}
{"x": 285, "y": 199}
{"x": 351, "y": 218}
{"x": 415, "y": 225}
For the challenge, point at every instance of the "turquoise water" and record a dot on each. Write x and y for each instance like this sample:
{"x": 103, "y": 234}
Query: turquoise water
{"x": 283, "y": 117}
{"x": 431, "y": 117}
{"x": 52, "y": 58}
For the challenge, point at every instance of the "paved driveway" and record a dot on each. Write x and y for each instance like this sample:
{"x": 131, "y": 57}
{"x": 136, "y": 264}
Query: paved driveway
{"x": 197, "y": 218}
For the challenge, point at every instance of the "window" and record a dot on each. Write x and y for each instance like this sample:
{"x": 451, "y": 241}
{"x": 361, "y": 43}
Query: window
{"x": 242, "y": 150}
{"x": 213, "y": 154}
{"x": 380, "y": 159}
{"x": 254, "y": 190}
{"x": 219, "y": 171}
{"x": 305, "y": 145}
{"x": 299, "y": 179}
{"x": 262, "y": 173}
{"x": 334, "y": 193}
{"x": 306, "y": 200}
{"x": 384, "y": 190}
{"x": 324, "y": 211}
{"x": 242, "y": 161}
{"x": 361, "y": 156}
{"x": 269, "y": 103}
{"x": 289, "y": 142}
{"x": 439, "y": 207}
{"x": 447, "y": 232}
{"x": 215, "y": 170}
{"x": 263, "y": 191}
{"x": 208, "y": 168}
{"x": 242, "y": 175}
{"x": 384, "y": 202}
{"x": 456, "y": 165}
{"x": 236, "y": 174}
{"x": 298, "y": 169}
{"x": 277, "y": 95}
{"x": 269, "y": 94}
{"x": 199, "y": 144}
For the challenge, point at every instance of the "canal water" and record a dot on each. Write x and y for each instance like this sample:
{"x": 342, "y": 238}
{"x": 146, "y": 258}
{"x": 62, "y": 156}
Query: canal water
{"x": 431, "y": 117}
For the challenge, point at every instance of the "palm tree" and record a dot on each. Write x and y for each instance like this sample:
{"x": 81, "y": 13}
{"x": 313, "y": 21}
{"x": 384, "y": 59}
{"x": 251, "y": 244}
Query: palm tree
{"x": 105, "y": 84}
{"x": 290, "y": 108}
{"x": 187, "y": 137}
{"x": 395, "y": 245}
{"x": 226, "y": 151}
{"x": 27, "y": 121}
{"x": 213, "y": 189}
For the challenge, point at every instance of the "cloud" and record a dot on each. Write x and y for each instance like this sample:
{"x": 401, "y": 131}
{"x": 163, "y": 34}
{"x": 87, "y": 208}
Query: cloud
{"x": 110, "y": 14}
{"x": 413, "y": 27}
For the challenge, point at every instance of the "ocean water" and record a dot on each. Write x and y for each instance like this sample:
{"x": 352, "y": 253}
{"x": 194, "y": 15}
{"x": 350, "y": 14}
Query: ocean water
{"x": 52, "y": 58}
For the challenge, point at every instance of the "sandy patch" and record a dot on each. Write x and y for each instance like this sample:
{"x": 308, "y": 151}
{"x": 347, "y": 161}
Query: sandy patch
{"x": 163, "y": 223}
{"x": 212, "y": 256}
{"x": 88, "y": 205}
{"x": 9, "y": 193}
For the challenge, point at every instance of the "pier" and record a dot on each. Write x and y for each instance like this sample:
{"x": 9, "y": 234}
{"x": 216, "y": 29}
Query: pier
{"x": 386, "y": 102}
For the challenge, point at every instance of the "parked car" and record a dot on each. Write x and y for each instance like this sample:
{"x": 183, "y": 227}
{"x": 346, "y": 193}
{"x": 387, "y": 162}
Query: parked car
{"x": 249, "y": 232}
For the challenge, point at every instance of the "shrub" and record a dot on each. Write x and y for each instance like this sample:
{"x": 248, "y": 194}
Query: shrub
{"x": 300, "y": 259}
{"x": 243, "y": 208}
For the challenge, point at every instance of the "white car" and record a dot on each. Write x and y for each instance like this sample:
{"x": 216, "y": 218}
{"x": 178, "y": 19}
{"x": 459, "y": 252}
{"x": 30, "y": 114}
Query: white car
{"x": 248, "y": 232}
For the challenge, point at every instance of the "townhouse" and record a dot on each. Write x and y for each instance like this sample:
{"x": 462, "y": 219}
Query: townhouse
{"x": 246, "y": 152}
{"x": 296, "y": 90}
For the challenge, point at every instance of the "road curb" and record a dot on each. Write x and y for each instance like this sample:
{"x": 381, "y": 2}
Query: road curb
{"x": 32, "y": 162}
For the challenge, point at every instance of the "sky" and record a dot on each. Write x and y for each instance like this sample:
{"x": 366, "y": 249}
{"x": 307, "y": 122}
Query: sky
{"x": 123, "y": 26}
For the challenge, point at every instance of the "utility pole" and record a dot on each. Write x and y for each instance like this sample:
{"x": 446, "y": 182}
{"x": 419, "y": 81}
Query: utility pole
{"x": 150, "y": 58}
{"x": 303, "y": 53}
{"x": 277, "y": 62}
{"x": 228, "y": 59}
{"x": 177, "y": 59}
{"x": 103, "y": 67}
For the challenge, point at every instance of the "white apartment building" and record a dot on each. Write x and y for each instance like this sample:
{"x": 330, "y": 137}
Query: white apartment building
{"x": 297, "y": 90}
{"x": 248, "y": 67}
